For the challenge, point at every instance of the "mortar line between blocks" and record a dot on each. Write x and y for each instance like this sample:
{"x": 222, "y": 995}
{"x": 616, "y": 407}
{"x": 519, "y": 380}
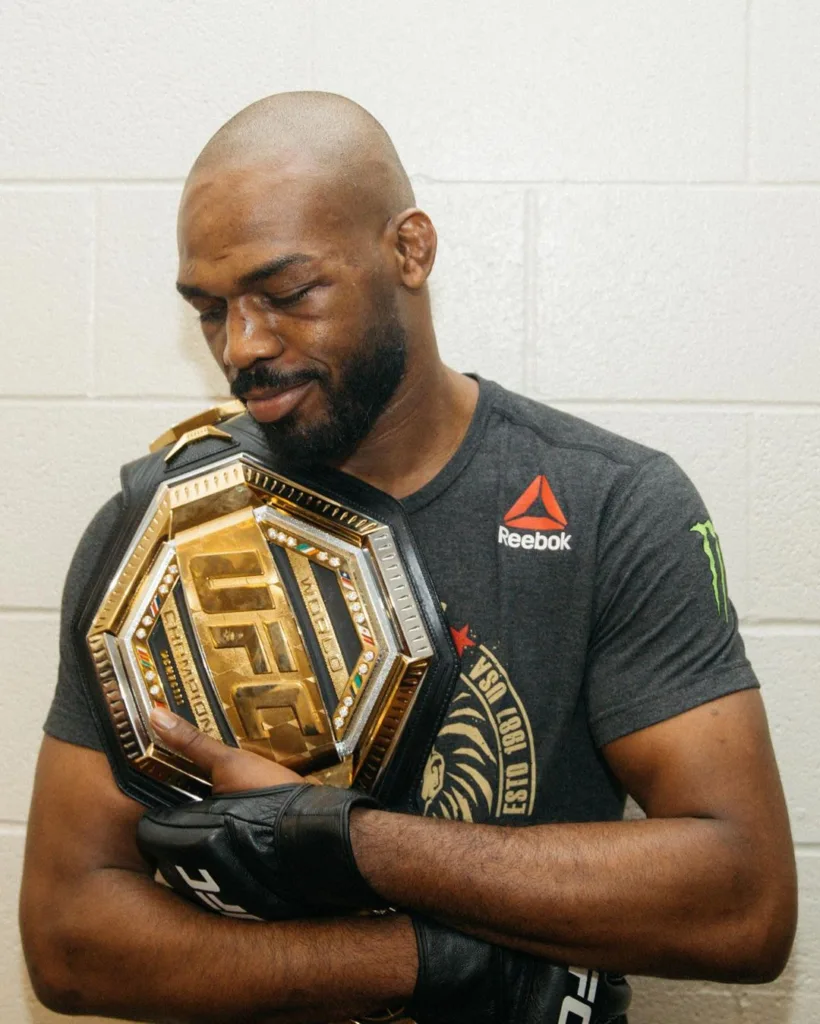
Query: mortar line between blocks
{"x": 49, "y": 184}
{"x": 696, "y": 404}
{"x": 737, "y": 184}
{"x": 780, "y": 627}
{"x": 197, "y": 402}
{"x": 722, "y": 185}
{"x": 9, "y": 611}
{"x": 12, "y": 828}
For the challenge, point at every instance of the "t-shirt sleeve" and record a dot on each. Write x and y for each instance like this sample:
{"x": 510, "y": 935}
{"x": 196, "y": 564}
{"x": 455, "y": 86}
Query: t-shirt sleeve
{"x": 665, "y": 634}
{"x": 70, "y": 717}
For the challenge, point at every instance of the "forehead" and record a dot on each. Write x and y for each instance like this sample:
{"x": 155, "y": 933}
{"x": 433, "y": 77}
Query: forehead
{"x": 232, "y": 219}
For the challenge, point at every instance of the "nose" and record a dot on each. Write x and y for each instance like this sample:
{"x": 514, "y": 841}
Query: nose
{"x": 249, "y": 336}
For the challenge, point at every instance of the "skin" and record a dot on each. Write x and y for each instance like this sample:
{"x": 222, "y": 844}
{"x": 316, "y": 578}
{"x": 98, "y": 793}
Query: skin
{"x": 704, "y": 888}
{"x": 347, "y": 261}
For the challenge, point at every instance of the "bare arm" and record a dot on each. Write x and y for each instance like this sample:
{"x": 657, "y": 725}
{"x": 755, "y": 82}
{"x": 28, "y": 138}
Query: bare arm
{"x": 704, "y": 888}
{"x": 101, "y": 937}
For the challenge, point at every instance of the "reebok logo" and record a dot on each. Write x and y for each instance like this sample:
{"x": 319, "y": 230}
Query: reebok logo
{"x": 534, "y": 541}
{"x": 536, "y": 509}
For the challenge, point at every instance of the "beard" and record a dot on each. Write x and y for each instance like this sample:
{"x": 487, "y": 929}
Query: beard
{"x": 367, "y": 381}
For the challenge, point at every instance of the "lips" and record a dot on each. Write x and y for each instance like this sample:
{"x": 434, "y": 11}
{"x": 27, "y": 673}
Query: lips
{"x": 267, "y": 405}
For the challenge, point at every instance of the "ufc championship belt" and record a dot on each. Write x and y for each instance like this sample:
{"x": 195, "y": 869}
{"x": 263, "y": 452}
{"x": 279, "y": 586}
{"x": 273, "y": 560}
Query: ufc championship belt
{"x": 289, "y": 615}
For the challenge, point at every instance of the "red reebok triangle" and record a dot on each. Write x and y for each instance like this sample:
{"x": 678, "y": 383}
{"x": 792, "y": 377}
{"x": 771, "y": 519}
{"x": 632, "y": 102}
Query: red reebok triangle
{"x": 518, "y": 514}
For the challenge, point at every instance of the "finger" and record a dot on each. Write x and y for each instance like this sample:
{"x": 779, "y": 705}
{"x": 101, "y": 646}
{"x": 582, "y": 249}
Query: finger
{"x": 230, "y": 770}
{"x": 250, "y": 771}
{"x": 184, "y": 738}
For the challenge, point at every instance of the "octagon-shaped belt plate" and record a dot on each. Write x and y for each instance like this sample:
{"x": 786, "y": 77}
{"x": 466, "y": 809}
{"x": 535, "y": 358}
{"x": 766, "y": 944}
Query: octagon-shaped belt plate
{"x": 271, "y": 617}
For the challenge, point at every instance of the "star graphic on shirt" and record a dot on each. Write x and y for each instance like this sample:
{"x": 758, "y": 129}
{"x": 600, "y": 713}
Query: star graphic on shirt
{"x": 461, "y": 638}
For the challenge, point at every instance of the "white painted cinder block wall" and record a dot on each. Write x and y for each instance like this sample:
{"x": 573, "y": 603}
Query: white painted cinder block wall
{"x": 628, "y": 203}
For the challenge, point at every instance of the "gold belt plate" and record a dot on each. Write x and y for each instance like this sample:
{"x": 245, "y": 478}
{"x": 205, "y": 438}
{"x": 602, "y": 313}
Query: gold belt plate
{"x": 271, "y": 617}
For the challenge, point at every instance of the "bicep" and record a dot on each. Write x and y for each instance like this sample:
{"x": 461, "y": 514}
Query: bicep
{"x": 79, "y": 822}
{"x": 714, "y": 761}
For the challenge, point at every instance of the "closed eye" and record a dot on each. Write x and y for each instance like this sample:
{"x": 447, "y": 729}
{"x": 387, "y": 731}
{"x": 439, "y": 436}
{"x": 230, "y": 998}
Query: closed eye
{"x": 214, "y": 315}
{"x": 292, "y": 299}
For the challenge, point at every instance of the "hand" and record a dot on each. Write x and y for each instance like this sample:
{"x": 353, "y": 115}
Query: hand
{"x": 231, "y": 770}
{"x": 463, "y": 980}
{"x": 265, "y": 844}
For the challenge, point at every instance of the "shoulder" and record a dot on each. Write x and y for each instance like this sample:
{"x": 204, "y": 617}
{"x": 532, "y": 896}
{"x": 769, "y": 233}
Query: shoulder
{"x": 589, "y": 465}
{"x": 601, "y": 483}
{"x": 97, "y": 532}
{"x": 91, "y": 547}
{"x": 535, "y": 423}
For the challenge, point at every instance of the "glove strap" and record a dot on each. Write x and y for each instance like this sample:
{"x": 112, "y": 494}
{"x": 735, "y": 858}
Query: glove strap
{"x": 314, "y": 845}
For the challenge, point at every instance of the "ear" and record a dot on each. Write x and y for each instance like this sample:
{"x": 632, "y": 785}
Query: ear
{"x": 415, "y": 247}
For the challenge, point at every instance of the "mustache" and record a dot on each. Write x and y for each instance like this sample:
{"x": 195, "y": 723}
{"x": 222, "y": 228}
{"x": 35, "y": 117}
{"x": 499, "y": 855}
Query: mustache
{"x": 261, "y": 376}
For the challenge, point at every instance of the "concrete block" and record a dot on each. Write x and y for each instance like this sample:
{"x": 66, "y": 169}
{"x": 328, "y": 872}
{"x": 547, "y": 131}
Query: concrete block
{"x": 673, "y": 293}
{"x": 477, "y": 285}
{"x": 137, "y": 93}
{"x": 62, "y": 461}
{"x": 783, "y": 518}
{"x": 711, "y": 448}
{"x": 147, "y": 339}
{"x": 580, "y": 90}
{"x": 785, "y": 90}
{"x": 46, "y": 273}
{"x": 788, "y": 667}
{"x": 30, "y": 658}
{"x": 682, "y": 1002}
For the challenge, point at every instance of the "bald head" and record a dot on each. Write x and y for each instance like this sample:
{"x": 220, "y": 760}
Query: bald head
{"x": 303, "y": 252}
{"x": 320, "y": 135}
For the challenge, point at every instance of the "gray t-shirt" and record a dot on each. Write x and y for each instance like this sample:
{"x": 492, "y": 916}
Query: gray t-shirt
{"x": 585, "y": 589}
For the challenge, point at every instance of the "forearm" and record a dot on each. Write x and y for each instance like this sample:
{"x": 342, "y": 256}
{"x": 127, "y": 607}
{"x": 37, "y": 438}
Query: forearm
{"x": 126, "y": 947}
{"x": 670, "y": 897}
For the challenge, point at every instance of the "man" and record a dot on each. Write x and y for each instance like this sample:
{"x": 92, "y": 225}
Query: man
{"x": 584, "y": 586}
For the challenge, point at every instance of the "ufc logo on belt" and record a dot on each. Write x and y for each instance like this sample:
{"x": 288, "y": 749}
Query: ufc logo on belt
{"x": 246, "y": 628}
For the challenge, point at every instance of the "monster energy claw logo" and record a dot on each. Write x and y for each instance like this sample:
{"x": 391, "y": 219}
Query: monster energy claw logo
{"x": 711, "y": 548}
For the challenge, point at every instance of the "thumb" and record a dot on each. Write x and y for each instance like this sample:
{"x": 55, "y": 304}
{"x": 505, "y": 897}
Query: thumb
{"x": 183, "y": 738}
{"x": 229, "y": 768}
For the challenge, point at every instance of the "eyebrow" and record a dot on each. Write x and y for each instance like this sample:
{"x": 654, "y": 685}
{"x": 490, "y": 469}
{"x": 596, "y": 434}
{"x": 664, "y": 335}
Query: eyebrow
{"x": 260, "y": 273}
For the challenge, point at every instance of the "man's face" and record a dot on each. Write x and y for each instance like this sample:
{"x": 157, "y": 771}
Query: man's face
{"x": 296, "y": 303}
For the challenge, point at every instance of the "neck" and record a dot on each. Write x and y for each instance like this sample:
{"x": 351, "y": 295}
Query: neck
{"x": 418, "y": 432}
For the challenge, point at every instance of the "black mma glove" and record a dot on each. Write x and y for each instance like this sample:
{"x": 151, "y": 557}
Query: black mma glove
{"x": 463, "y": 980}
{"x": 268, "y": 853}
